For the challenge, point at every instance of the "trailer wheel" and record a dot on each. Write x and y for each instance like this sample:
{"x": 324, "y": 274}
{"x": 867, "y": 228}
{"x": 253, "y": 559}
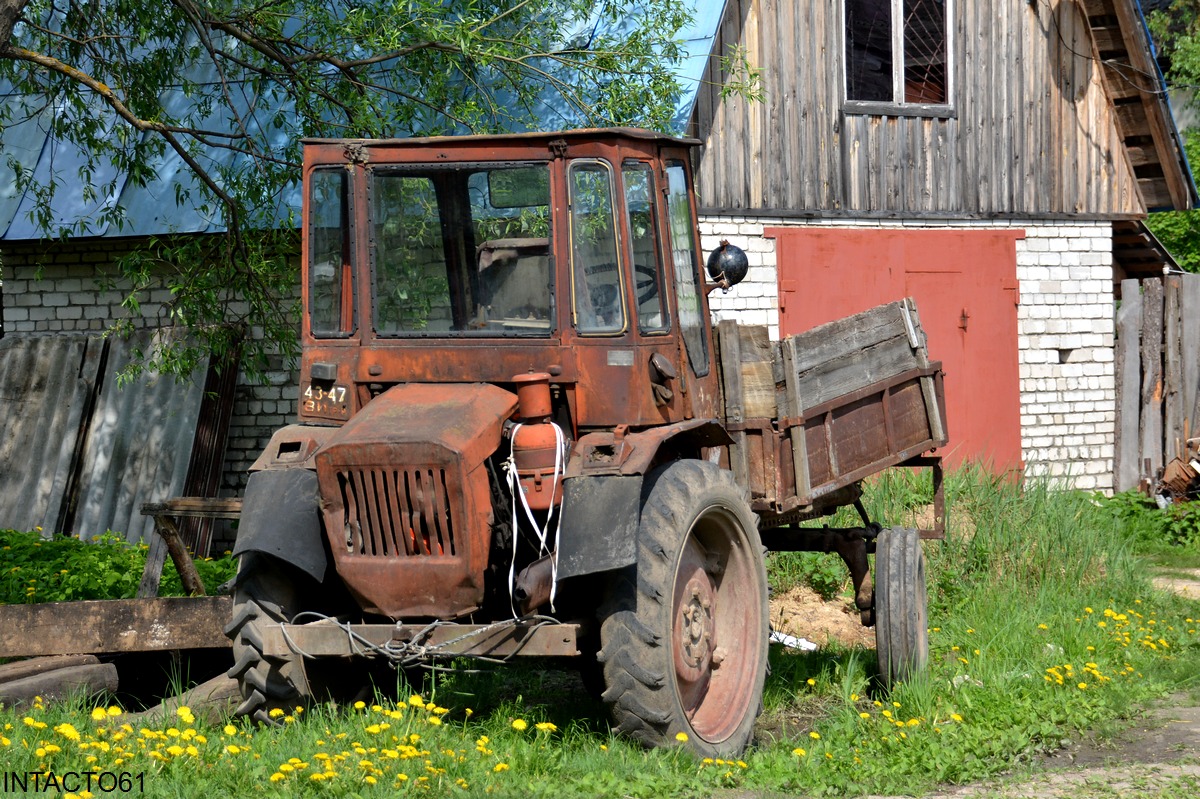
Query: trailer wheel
{"x": 901, "y": 619}
{"x": 684, "y": 632}
{"x": 268, "y": 592}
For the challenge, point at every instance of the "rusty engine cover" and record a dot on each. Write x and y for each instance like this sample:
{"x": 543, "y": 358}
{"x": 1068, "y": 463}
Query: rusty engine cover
{"x": 404, "y": 481}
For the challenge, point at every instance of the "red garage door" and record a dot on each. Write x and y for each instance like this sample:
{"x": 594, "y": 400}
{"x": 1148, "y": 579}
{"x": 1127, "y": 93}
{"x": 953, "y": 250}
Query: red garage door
{"x": 965, "y": 285}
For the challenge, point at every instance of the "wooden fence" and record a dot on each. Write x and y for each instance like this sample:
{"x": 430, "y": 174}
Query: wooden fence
{"x": 1158, "y": 375}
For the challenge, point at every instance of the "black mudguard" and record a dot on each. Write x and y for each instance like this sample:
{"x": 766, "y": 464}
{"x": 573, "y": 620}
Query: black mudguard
{"x": 600, "y": 515}
{"x": 281, "y": 517}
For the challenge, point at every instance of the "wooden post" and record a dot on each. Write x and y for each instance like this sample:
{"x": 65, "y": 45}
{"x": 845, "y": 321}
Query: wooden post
{"x": 1152, "y": 377}
{"x": 729, "y": 343}
{"x": 1189, "y": 329}
{"x": 1173, "y": 374}
{"x": 1129, "y": 371}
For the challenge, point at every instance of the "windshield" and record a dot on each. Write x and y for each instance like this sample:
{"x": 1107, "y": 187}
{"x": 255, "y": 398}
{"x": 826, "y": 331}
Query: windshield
{"x": 462, "y": 250}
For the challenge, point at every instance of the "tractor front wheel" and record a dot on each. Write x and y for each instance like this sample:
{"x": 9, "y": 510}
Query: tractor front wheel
{"x": 684, "y": 632}
{"x": 269, "y": 591}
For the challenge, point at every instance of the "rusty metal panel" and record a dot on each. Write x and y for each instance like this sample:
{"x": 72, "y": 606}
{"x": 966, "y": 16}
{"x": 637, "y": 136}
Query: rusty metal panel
{"x": 46, "y": 386}
{"x": 404, "y": 480}
{"x": 139, "y": 444}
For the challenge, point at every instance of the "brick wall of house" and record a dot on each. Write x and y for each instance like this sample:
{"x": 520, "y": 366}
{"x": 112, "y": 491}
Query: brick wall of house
{"x": 1064, "y": 328}
{"x": 72, "y": 287}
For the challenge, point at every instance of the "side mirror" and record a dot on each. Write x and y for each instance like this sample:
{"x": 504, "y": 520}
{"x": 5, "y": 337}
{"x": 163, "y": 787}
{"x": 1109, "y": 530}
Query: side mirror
{"x": 727, "y": 265}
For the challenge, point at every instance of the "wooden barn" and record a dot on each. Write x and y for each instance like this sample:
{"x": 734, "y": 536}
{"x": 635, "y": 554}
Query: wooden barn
{"x": 994, "y": 160}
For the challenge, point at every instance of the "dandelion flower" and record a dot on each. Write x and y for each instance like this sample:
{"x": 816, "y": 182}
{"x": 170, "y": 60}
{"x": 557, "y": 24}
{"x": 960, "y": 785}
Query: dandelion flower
{"x": 98, "y": 714}
{"x": 546, "y": 726}
{"x": 519, "y": 725}
{"x": 799, "y": 752}
{"x": 816, "y": 736}
{"x": 499, "y": 767}
{"x": 67, "y": 731}
{"x": 811, "y": 681}
{"x": 681, "y": 737}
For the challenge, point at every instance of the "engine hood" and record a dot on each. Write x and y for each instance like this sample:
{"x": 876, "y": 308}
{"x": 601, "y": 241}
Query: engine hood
{"x": 467, "y": 418}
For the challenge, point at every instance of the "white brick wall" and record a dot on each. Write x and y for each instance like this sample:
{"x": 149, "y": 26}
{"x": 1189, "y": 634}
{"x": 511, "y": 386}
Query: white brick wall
{"x": 77, "y": 291}
{"x": 1064, "y": 330}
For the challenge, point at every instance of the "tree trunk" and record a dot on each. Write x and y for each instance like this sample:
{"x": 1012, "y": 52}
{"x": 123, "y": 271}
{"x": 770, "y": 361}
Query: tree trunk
{"x": 10, "y": 12}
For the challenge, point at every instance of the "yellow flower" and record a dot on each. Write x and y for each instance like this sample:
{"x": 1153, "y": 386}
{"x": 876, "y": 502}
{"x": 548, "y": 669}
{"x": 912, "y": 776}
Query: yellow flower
{"x": 360, "y": 705}
{"x": 864, "y": 715}
{"x": 799, "y": 752}
{"x": 955, "y": 717}
{"x": 1082, "y": 686}
{"x": 233, "y": 750}
{"x": 275, "y": 712}
{"x": 185, "y": 714}
{"x": 98, "y": 714}
{"x": 416, "y": 701}
{"x": 500, "y": 767}
{"x": 811, "y": 681}
{"x": 681, "y": 737}
{"x": 519, "y": 725}
{"x": 230, "y": 729}
{"x": 816, "y": 736}
{"x": 435, "y": 720}
{"x": 67, "y": 731}
{"x": 546, "y": 726}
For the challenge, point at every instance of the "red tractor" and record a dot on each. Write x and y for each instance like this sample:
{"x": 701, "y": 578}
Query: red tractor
{"x": 517, "y": 436}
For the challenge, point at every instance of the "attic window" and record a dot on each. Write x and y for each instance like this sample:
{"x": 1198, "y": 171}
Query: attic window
{"x": 897, "y": 56}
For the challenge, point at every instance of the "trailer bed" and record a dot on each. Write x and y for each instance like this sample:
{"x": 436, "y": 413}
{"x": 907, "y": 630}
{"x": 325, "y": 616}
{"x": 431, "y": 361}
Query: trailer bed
{"x": 814, "y": 414}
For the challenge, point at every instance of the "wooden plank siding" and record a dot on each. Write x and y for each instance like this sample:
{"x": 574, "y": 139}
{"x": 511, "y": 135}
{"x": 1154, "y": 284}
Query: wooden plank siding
{"x": 1032, "y": 133}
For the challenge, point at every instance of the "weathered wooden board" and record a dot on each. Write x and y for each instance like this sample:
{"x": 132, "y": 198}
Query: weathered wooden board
{"x": 1172, "y": 370}
{"x": 1190, "y": 346}
{"x": 90, "y": 679}
{"x": 1127, "y": 458}
{"x": 846, "y": 355}
{"x": 19, "y": 669}
{"x": 115, "y": 625}
{"x": 1152, "y": 377}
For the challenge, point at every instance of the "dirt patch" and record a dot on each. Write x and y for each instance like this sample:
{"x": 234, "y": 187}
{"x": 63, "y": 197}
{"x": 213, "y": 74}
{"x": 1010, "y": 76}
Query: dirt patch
{"x": 803, "y": 613}
{"x": 1188, "y": 586}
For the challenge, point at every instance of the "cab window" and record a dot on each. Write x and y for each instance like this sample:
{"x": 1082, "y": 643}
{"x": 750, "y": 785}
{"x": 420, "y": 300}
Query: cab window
{"x": 598, "y": 298}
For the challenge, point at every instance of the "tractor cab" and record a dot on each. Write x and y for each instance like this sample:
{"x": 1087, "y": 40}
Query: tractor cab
{"x": 477, "y": 259}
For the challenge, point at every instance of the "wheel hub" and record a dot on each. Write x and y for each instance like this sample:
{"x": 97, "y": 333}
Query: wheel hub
{"x": 694, "y": 629}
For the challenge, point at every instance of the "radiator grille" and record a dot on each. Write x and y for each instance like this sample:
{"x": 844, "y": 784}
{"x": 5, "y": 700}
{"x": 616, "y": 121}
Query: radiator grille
{"x": 397, "y": 512}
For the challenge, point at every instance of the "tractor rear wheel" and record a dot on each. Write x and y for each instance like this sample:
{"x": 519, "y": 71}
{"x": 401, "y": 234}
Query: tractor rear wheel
{"x": 901, "y": 617}
{"x": 684, "y": 632}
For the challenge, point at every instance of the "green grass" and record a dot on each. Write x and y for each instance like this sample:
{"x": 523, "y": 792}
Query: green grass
{"x": 1043, "y": 624}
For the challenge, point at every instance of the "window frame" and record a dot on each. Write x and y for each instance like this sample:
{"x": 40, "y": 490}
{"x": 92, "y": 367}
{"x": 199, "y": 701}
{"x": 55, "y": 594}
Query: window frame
{"x": 946, "y": 110}
{"x": 350, "y": 261}
{"x": 619, "y": 256}
{"x": 660, "y": 276}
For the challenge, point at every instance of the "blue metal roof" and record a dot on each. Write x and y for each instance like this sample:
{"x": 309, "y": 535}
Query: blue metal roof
{"x": 153, "y": 209}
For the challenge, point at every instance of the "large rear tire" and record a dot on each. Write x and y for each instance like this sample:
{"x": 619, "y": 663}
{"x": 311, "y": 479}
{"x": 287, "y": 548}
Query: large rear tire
{"x": 901, "y": 616}
{"x": 684, "y": 633}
